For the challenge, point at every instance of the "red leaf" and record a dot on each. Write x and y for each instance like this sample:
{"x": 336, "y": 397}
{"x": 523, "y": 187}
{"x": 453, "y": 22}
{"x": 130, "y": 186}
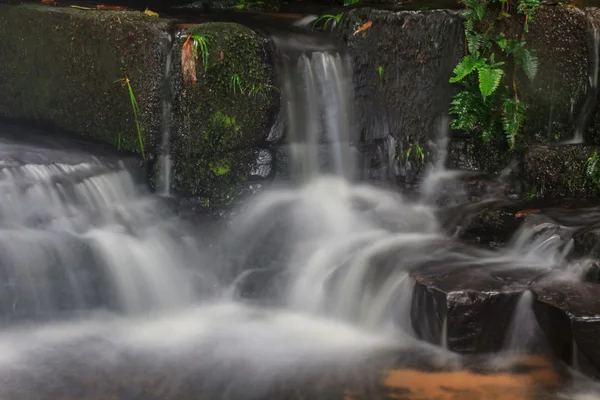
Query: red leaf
{"x": 188, "y": 61}
{"x": 523, "y": 213}
{"x": 363, "y": 28}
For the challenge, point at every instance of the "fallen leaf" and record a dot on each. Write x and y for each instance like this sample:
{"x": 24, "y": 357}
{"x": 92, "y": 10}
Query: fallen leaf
{"x": 188, "y": 61}
{"x": 523, "y": 213}
{"x": 363, "y": 28}
{"x": 221, "y": 55}
{"x": 150, "y": 13}
{"x": 111, "y": 8}
{"x": 49, "y": 2}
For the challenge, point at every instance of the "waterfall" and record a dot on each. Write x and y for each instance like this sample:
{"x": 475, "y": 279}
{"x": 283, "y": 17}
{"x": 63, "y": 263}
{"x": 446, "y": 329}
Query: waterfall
{"x": 523, "y": 332}
{"x": 82, "y": 235}
{"x": 591, "y": 100}
{"x": 319, "y": 116}
{"x": 164, "y": 158}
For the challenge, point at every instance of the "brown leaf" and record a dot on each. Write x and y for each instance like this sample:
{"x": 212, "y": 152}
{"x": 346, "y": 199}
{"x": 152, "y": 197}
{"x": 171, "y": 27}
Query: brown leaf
{"x": 49, "y": 2}
{"x": 111, "y": 8}
{"x": 363, "y": 28}
{"x": 523, "y": 213}
{"x": 188, "y": 61}
{"x": 221, "y": 55}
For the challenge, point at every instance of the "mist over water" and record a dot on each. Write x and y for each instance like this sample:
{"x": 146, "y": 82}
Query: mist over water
{"x": 139, "y": 296}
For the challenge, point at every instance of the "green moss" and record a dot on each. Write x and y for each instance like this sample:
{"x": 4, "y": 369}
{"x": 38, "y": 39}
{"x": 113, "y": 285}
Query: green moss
{"x": 219, "y": 128}
{"x": 219, "y": 169}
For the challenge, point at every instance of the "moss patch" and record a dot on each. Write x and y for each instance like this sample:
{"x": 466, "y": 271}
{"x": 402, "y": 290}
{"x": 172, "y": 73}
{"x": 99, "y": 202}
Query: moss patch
{"x": 221, "y": 121}
{"x": 59, "y": 66}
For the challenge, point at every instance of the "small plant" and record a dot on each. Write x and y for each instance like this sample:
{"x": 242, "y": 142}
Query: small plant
{"x": 194, "y": 44}
{"x": 490, "y": 103}
{"x": 592, "y": 170}
{"x": 350, "y": 2}
{"x": 255, "y": 90}
{"x": 119, "y": 139}
{"x": 380, "y": 72}
{"x": 328, "y": 20}
{"x": 235, "y": 84}
{"x": 418, "y": 154}
{"x": 136, "y": 113}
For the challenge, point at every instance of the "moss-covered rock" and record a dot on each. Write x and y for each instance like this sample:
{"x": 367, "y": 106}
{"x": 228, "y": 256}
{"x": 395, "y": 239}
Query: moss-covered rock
{"x": 558, "y": 171}
{"x": 59, "y": 66}
{"x": 221, "y": 122}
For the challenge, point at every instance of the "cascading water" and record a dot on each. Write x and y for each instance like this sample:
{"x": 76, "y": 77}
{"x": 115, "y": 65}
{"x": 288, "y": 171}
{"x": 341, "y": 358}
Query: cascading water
{"x": 164, "y": 160}
{"x": 79, "y": 234}
{"x": 344, "y": 252}
{"x": 316, "y": 97}
{"x": 587, "y": 110}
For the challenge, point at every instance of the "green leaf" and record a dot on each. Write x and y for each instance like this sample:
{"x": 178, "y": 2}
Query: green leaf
{"x": 474, "y": 42}
{"x": 512, "y": 119}
{"x": 502, "y": 44}
{"x": 489, "y": 80}
{"x": 468, "y": 64}
{"x": 530, "y": 64}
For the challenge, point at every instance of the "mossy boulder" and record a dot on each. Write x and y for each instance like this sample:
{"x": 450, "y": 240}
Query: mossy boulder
{"x": 62, "y": 66}
{"x": 221, "y": 122}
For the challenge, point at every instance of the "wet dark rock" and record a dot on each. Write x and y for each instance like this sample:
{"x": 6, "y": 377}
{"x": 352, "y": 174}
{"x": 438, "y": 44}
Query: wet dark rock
{"x": 588, "y": 244}
{"x": 416, "y": 52}
{"x": 557, "y": 171}
{"x": 475, "y": 304}
{"x": 560, "y": 37}
{"x": 60, "y": 68}
{"x": 571, "y": 315}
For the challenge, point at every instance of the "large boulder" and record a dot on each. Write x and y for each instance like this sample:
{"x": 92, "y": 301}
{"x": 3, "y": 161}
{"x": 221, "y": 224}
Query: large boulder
{"x": 62, "y": 66}
{"x": 402, "y": 64}
{"x": 220, "y": 123}
{"x": 65, "y": 67}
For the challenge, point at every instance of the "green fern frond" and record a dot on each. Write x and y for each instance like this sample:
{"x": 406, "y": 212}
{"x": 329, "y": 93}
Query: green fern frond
{"x": 489, "y": 80}
{"x": 474, "y": 42}
{"x": 468, "y": 64}
{"x": 530, "y": 64}
{"x": 512, "y": 119}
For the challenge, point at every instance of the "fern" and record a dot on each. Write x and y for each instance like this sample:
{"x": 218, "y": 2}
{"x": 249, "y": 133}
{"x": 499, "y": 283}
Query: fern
{"x": 474, "y": 42}
{"x": 512, "y": 119}
{"x": 465, "y": 106}
{"x": 489, "y": 80}
{"x": 486, "y": 105}
{"x": 530, "y": 64}
{"x": 468, "y": 64}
